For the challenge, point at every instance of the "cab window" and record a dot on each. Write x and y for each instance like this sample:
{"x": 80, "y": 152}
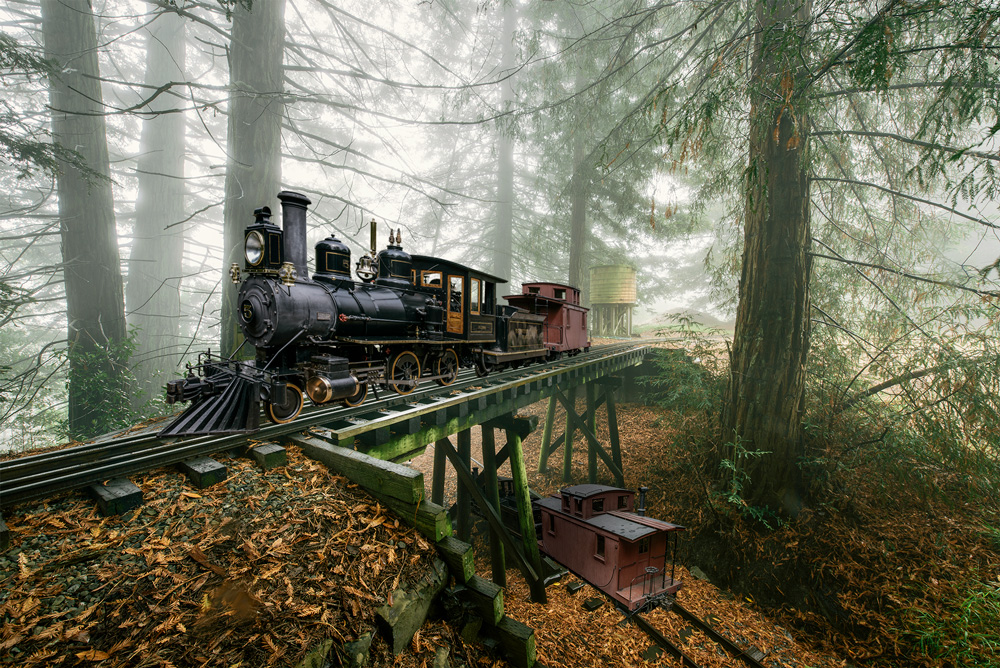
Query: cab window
{"x": 430, "y": 279}
{"x": 475, "y": 295}
{"x": 456, "y": 285}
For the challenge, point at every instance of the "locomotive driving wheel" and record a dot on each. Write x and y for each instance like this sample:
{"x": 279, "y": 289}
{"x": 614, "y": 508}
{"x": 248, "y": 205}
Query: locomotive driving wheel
{"x": 289, "y": 409}
{"x": 404, "y": 372}
{"x": 447, "y": 367}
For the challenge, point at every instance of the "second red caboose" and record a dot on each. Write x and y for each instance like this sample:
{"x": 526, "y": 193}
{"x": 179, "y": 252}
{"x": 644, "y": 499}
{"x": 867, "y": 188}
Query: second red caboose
{"x": 565, "y": 329}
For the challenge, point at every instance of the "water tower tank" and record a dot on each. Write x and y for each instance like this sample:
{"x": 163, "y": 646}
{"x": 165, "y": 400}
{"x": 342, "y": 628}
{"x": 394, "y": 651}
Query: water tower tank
{"x": 612, "y": 298}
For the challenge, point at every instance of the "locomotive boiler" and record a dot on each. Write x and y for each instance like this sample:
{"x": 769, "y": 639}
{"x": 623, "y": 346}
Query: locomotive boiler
{"x": 330, "y": 337}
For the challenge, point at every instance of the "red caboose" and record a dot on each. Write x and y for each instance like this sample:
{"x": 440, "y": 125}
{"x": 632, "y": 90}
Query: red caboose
{"x": 593, "y": 531}
{"x": 565, "y": 328}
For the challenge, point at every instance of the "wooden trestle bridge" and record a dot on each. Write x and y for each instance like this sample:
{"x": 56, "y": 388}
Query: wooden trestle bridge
{"x": 393, "y": 428}
{"x": 492, "y": 403}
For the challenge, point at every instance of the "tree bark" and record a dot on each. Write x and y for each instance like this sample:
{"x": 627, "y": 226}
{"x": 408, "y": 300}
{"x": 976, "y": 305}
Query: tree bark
{"x": 579, "y": 193}
{"x": 95, "y": 305}
{"x": 504, "y": 250}
{"x": 152, "y": 292}
{"x": 765, "y": 397}
{"x": 256, "y": 108}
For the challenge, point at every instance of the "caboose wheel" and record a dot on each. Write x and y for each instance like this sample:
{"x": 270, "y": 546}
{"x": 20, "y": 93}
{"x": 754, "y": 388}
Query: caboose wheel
{"x": 289, "y": 409}
{"x": 358, "y": 397}
{"x": 404, "y": 372}
{"x": 447, "y": 366}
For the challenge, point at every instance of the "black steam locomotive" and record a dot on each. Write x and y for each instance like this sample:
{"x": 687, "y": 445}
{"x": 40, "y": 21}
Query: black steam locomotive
{"x": 407, "y": 319}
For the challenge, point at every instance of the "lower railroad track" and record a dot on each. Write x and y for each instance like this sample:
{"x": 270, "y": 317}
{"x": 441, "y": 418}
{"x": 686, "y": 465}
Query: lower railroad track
{"x": 749, "y": 657}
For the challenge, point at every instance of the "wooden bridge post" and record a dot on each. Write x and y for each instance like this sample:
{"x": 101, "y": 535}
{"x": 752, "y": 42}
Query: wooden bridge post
{"x": 517, "y": 429}
{"x": 497, "y": 561}
{"x": 550, "y": 417}
{"x": 437, "y": 475}
{"x": 592, "y": 424}
{"x": 531, "y": 573}
{"x": 610, "y": 384}
{"x": 464, "y": 503}
{"x": 568, "y": 440}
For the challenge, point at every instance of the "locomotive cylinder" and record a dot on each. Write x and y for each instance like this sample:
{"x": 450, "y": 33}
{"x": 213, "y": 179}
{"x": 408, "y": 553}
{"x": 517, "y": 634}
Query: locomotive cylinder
{"x": 293, "y": 216}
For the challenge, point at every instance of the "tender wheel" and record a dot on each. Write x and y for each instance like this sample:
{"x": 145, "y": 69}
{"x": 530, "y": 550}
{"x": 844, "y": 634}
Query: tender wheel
{"x": 404, "y": 372}
{"x": 447, "y": 366}
{"x": 483, "y": 368}
{"x": 358, "y": 397}
{"x": 290, "y": 409}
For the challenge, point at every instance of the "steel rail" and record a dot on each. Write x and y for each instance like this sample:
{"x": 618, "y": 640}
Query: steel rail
{"x": 663, "y": 642}
{"x": 722, "y": 640}
{"x": 38, "y": 476}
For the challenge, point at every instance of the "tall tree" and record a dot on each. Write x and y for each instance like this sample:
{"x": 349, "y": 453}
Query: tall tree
{"x": 766, "y": 392}
{"x": 152, "y": 292}
{"x": 94, "y": 298}
{"x": 504, "y": 251}
{"x": 256, "y": 109}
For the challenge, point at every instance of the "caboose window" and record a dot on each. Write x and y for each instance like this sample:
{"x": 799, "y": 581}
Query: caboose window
{"x": 599, "y": 553}
{"x": 560, "y": 293}
{"x": 622, "y": 502}
{"x": 475, "y": 295}
{"x": 533, "y": 291}
{"x": 430, "y": 279}
{"x": 552, "y": 524}
{"x": 644, "y": 546}
{"x": 598, "y": 505}
{"x": 579, "y": 506}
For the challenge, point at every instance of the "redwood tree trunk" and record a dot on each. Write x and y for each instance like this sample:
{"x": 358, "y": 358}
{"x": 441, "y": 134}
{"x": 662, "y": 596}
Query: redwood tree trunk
{"x": 256, "y": 109}
{"x": 154, "y": 270}
{"x": 504, "y": 249}
{"x": 95, "y": 305}
{"x": 766, "y": 391}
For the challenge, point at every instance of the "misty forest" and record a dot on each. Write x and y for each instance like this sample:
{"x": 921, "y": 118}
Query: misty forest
{"x": 807, "y": 190}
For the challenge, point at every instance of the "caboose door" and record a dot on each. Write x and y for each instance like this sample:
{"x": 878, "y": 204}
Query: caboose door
{"x": 456, "y": 305}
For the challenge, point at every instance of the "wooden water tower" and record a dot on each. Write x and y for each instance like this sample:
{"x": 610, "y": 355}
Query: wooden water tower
{"x": 612, "y": 298}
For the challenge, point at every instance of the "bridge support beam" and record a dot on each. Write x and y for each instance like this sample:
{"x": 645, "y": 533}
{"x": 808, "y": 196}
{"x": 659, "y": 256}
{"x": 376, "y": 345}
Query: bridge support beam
{"x": 528, "y": 560}
{"x": 599, "y": 391}
{"x": 497, "y": 561}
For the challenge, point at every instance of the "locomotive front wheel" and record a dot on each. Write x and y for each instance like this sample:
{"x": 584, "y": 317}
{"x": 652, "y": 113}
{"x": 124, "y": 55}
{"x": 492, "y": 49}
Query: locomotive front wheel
{"x": 358, "y": 397}
{"x": 290, "y": 409}
{"x": 447, "y": 366}
{"x": 404, "y": 372}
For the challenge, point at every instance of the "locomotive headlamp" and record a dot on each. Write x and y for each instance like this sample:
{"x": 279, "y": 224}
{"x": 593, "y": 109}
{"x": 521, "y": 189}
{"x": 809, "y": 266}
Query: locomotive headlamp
{"x": 253, "y": 247}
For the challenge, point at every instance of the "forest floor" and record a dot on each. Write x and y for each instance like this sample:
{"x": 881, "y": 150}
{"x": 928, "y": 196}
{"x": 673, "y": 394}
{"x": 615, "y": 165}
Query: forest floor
{"x": 855, "y": 582}
{"x": 256, "y": 570}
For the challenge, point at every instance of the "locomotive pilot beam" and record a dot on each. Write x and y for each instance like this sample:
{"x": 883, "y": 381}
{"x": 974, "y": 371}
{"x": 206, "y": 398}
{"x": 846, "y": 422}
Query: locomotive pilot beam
{"x": 329, "y": 337}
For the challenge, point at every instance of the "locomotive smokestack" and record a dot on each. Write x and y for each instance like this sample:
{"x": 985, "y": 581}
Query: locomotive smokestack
{"x": 293, "y": 215}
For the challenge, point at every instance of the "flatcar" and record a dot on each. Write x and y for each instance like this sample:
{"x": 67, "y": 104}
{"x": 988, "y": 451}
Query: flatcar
{"x": 329, "y": 337}
{"x": 596, "y": 532}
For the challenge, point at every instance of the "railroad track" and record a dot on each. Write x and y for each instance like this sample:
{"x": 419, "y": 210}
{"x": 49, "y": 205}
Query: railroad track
{"x": 42, "y": 475}
{"x": 728, "y": 645}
